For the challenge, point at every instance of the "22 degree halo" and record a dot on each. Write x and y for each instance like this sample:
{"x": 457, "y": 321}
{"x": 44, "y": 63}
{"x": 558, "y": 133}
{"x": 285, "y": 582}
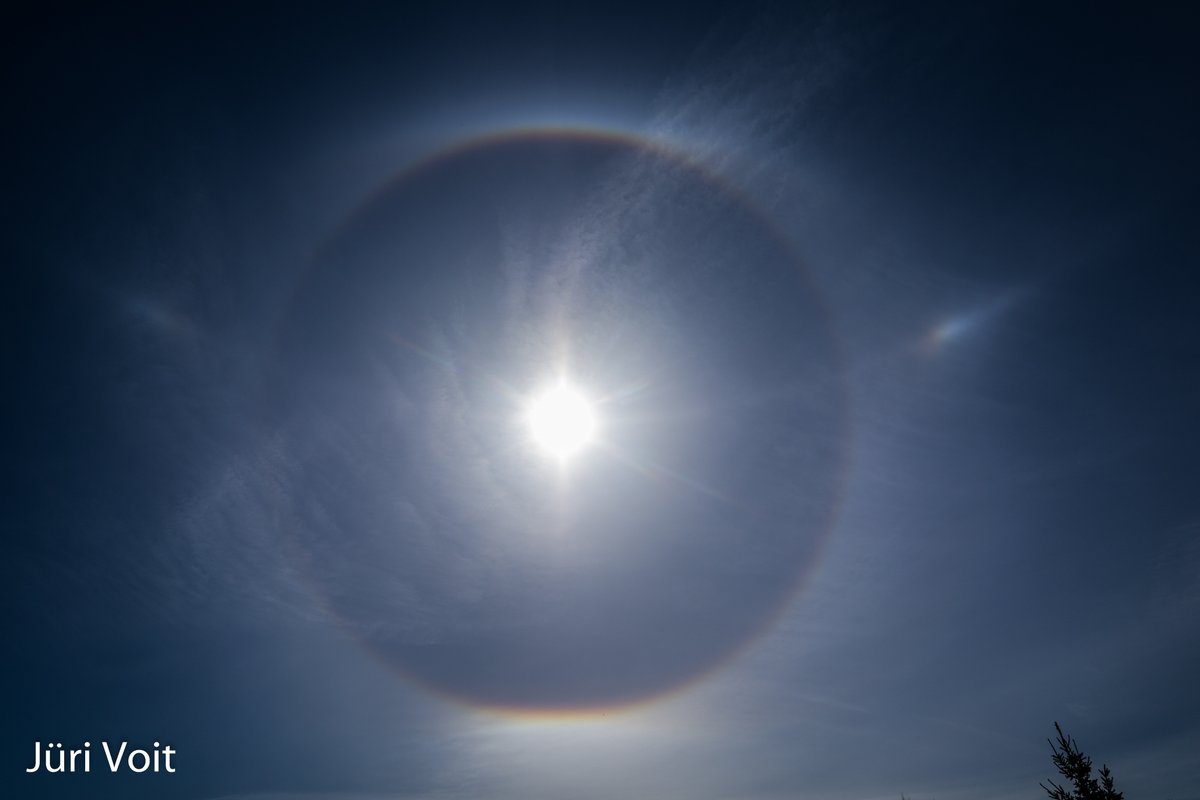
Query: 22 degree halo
{"x": 412, "y": 346}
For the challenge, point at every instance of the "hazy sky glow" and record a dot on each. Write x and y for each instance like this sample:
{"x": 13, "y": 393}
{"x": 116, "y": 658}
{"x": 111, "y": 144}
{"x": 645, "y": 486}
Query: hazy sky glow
{"x": 543, "y": 402}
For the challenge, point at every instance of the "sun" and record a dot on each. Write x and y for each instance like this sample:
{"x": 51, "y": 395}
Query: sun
{"x": 561, "y": 420}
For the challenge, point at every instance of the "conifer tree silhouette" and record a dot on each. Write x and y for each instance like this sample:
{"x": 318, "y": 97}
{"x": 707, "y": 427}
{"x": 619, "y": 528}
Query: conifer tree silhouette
{"x": 1076, "y": 767}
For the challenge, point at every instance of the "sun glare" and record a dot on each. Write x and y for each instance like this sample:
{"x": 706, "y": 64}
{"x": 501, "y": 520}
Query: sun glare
{"x": 561, "y": 420}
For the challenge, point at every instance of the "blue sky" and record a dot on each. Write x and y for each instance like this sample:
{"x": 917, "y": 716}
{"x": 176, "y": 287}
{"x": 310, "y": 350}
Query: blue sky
{"x": 885, "y": 316}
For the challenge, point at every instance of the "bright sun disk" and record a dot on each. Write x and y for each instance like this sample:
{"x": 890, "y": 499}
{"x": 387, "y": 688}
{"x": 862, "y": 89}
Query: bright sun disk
{"x": 561, "y": 420}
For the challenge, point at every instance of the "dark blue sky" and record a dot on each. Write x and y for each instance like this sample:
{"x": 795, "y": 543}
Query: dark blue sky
{"x": 888, "y": 320}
